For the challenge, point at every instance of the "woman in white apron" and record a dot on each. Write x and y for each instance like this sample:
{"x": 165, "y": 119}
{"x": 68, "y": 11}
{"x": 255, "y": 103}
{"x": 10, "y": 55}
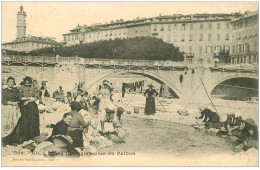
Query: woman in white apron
{"x": 10, "y": 110}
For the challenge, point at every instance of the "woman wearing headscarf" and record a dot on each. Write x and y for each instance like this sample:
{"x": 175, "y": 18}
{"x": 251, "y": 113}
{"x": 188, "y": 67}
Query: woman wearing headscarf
{"x": 150, "y": 102}
{"x": 10, "y": 109}
{"x": 29, "y": 124}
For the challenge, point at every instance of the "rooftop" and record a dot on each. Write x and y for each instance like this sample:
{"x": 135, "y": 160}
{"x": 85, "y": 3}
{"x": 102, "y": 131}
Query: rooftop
{"x": 138, "y": 20}
{"x": 34, "y": 39}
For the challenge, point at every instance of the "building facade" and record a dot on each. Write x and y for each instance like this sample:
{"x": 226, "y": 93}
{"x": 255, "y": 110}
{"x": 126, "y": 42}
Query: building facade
{"x": 244, "y": 48}
{"x": 27, "y": 43}
{"x": 200, "y": 36}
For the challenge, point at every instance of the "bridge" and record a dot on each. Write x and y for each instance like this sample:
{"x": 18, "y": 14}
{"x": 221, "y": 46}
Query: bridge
{"x": 181, "y": 78}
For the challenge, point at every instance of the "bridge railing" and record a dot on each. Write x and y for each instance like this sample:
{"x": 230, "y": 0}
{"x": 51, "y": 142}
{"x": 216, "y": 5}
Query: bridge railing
{"x": 92, "y": 61}
{"x": 125, "y": 62}
{"x": 244, "y": 66}
{"x": 28, "y": 58}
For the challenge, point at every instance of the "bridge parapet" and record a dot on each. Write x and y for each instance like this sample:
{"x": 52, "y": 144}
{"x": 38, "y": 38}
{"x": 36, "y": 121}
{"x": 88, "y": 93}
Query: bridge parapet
{"x": 132, "y": 62}
{"x": 128, "y": 64}
{"x": 91, "y": 61}
{"x": 253, "y": 67}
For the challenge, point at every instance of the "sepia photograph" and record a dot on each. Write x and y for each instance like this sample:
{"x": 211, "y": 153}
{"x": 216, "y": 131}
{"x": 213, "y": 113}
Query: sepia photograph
{"x": 129, "y": 84}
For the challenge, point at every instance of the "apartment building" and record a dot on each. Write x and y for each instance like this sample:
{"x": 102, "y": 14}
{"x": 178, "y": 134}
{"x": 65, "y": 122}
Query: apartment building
{"x": 200, "y": 36}
{"x": 244, "y": 47}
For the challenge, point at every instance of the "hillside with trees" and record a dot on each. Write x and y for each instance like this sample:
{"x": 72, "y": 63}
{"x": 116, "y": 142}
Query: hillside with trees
{"x": 141, "y": 48}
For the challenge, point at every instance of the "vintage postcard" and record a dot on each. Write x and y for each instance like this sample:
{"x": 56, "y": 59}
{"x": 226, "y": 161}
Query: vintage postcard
{"x": 129, "y": 84}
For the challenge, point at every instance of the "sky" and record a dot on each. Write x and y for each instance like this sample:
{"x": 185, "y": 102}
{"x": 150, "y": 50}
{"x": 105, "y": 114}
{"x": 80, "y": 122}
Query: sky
{"x": 56, "y": 18}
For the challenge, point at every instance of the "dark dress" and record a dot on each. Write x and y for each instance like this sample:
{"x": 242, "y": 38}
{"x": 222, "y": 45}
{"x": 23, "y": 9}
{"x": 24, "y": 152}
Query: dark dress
{"x": 61, "y": 128}
{"x": 30, "y": 121}
{"x": 150, "y": 102}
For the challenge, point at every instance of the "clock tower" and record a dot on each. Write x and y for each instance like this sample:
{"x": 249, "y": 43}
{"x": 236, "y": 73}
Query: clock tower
{"x": 21, "y": 23}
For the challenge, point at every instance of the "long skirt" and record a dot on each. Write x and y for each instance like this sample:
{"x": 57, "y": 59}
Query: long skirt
{"x": 149, "y": 106}
{"x": 102, "y": 109}
{"x": 30, "y": 122}
{"x": 77, "y": 138}
{"x": 10, "y": 117}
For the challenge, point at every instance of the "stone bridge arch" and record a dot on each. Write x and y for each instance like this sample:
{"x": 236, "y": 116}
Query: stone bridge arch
{"x": 148, "y": 74}
{"x": 234, "y": 76}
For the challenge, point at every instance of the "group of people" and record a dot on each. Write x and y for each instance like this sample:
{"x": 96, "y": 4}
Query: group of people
{"x": 21, "y": 122}
{"x": 245, "y": 131}
{"x": 21, "y": 115}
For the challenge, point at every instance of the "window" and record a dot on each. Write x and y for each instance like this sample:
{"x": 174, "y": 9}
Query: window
{"x": 191, "y": 37}
{"x": 191, "y": 26}
{"x": 190, "y": 50}
{"x": 76, "y": 37}
{"x": 227, "y": 25}
{"x": 182, "y": 37}
{"x": 210, "y": 26}
{"x": 162, "y": 27}
{"x": 169, "y": 27}
{"x": 155, "y": 27}
{"x": 218, "y": 37}
{"x": 64, "y": 38}
{"x": 175, "y": 38}
{"x": 239, "y": 46}
{"x": 200, "y": 50}
{"x": 227, "y": 36}
{"x": 72, "y": 37}
{"x": 218, "y": 25}
{"x": 209, "y": 37}
{"x": 246, "y": 47}
{"x": 209, "y": 49}
{"x": 201, "y": 37}
{"x": 217, "y": 49}
{"x": 201, "y": 26}
{"x": 175, "y": 27}
{"x": 234, "y": 49}
{"x": 226, "y": 48}
{"x": 200, "y": 60}
{"x": 33, "y": 44}
{"x": 183, "y": 27}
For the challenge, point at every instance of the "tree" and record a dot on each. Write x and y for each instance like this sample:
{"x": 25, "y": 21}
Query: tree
{"x": 139, "y": 48}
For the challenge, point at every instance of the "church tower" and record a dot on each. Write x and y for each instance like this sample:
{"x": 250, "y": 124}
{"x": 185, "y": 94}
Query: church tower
{"x": 21, "y": 23}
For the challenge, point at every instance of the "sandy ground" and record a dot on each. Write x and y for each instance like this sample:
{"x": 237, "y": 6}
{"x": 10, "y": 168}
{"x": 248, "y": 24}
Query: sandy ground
{"x": 166, "y": 111}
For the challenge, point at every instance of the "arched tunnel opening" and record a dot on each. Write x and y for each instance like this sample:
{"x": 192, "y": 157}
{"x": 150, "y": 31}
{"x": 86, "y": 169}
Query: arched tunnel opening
{"x": 242, "y": 88}
{"x": 134, "y": 76}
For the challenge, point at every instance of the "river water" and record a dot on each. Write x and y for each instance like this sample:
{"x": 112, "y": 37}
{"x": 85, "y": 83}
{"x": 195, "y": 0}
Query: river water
{"x": 156, "y": 137}
{"x": 168, "y": 133}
